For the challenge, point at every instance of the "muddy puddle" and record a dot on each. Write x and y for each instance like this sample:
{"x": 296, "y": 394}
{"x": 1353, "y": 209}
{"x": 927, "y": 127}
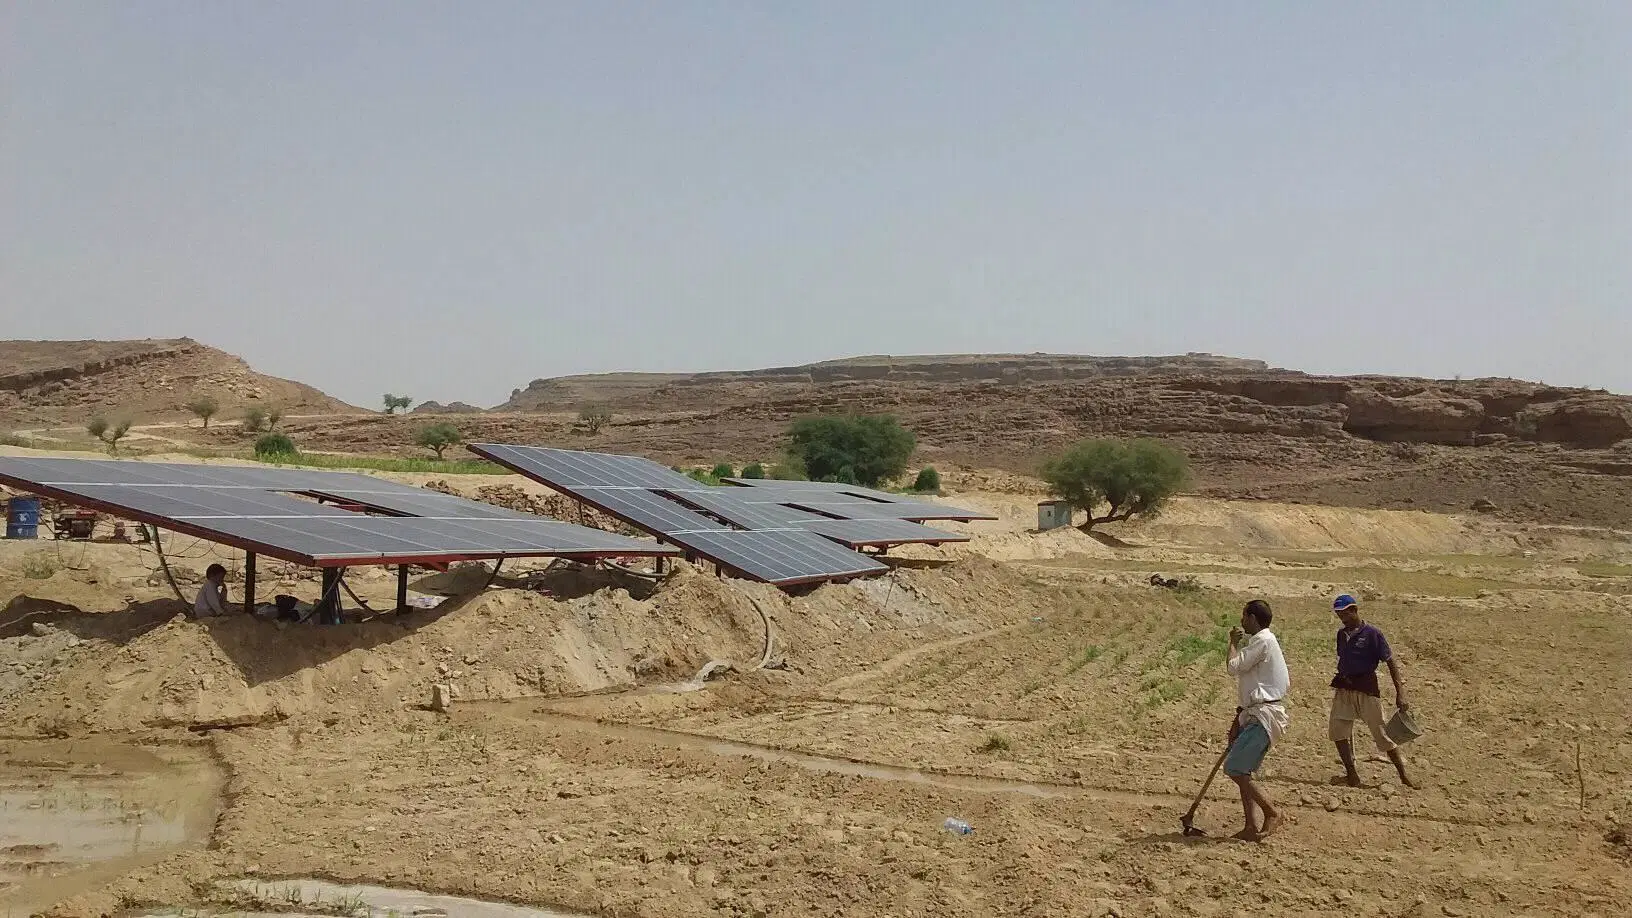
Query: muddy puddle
{"x": 76, "y": 813}
{"x": 291, "y": 899}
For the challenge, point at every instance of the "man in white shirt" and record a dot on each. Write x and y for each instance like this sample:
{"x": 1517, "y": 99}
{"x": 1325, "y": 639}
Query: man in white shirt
{"x": 1262, "y": 682}
{"x": 212, "y": 596}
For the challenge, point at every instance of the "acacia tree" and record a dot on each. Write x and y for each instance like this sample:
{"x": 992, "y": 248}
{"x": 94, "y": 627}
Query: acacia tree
{"x": 595, "y": 418}
{"x": 393, "y": 402}
{"x": 110, "y": 434}
{"x": 854, "y": 449}
{"x": 438, "y": 437}
{"x": 1131, "y": 477}
{"x": 204, "y": 407}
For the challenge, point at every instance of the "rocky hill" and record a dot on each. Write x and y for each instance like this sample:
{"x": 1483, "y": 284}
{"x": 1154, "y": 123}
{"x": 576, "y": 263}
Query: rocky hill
{"x": 1194, "y": 393}
{"x": 49, "y": 382}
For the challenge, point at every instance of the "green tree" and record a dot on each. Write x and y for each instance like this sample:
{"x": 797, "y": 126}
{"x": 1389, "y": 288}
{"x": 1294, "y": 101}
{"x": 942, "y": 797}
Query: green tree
{"x": 854, "y": 449}
{"x": 274, "y": 416}
{"x": 254, "y": 418}
{"x": 204, "y": 407}
{"x": 1132, "y": 477}
{"x": 723, "y": 470}
{"x": 438, "y": 437}
{"x": 595, "y": 419}
{"x": 393, "y": 402}
{"x": 273, "y": 445}
{"x": 928, "y": 480}
{"x": 753, "y": 470}
{"x": 109, "y": 433}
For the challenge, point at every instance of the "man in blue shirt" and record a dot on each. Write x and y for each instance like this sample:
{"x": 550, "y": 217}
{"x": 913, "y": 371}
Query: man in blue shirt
{"x": 1356, "y": 694}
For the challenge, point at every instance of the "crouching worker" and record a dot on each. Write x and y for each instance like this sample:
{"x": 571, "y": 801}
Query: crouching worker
{"x": 1262, "y": 682}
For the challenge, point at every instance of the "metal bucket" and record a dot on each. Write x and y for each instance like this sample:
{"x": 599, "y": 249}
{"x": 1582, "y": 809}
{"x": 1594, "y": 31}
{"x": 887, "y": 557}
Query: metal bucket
{"x": 23, "y": 518}
{"x": 1402, "y": 728}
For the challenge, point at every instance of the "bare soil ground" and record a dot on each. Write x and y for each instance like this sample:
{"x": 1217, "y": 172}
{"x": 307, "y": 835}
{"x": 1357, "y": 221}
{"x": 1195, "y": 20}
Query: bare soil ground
{"x": 1033, "y": 684}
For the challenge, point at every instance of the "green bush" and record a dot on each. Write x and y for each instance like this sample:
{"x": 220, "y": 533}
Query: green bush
{"x": 274, "y": 444}
{"x": 438, "y": 437}
{"x": 854, "y": 449}
{"x": 594, "y": 419}
{"x": 928, "y": 480}
{"x": 1134, "y": 477}
{"x": 204, "y": 407}
{"x": 254, "y": 418}
{"x": 723, "y": 470}
{"x": 753, "y": 470}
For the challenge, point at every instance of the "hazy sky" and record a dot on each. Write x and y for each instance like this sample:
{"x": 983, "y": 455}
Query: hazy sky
{"x": 450, "y": 199}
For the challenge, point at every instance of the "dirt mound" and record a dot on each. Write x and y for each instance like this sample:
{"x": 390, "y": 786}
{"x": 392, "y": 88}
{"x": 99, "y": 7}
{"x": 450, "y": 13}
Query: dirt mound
{"x": 43, "y": 382}
{"x": 173, "y": 671}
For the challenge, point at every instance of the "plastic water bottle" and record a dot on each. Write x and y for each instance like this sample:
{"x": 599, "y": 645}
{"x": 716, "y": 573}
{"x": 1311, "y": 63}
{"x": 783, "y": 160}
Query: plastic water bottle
{"x": 957, "y": 826}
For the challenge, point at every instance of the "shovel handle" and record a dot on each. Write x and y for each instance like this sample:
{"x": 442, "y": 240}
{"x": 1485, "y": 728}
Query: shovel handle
{"x": 1207, "y": 783}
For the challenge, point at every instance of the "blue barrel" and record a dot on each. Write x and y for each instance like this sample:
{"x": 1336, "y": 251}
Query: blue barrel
{"x": 23, "y": 518}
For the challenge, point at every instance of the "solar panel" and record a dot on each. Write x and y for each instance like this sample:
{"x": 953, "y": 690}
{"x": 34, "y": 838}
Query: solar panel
{"x": 725, "y": 505}
{"x": 243, "y": 507}
{"x": 857, "y": 533}
{"x": 570, "y": 467}
{"x": 782, "y": 557}
{"x": 420, "y": 502}
{"x": 778, "y": 544}
{"x": 871, "y": 510}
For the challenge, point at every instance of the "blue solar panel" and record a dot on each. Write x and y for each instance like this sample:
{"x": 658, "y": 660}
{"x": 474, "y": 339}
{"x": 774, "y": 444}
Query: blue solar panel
{"x": 244, "y": 507}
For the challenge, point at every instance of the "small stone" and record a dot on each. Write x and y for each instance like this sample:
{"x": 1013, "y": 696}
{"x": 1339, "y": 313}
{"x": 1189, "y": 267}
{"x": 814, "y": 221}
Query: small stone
{"x": 40, "y": 629}
{"x": 441, "y": 697}
{"x": 1530, "y": 816}
{"x": 1331, "y": 806}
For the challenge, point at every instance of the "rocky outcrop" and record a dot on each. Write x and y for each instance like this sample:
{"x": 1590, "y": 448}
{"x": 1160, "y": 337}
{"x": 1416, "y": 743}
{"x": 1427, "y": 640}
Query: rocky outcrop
{"x": 144, "y": 381}
{"x": 1590, "y": 422}
{"x": 1422, "y": 418}
{"x": 450, "y": 408}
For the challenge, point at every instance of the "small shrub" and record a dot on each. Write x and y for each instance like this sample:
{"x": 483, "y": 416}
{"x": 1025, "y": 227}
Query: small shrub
{"x": 254, "y": 419}
{"x": 109, "y": 433}
{"x": 438, "y": 437}
{"x": 274, "y": 444}
{"x": 595, "y": 418}
{"x": 274, "y": 417}
{"x": 7, "y": 438}
{"x": 204, "y": 407}
{"x": 928, "y": 481}
{"x": 39, "y": 566}
{"x": 753, "y": 470}
{"x": 995, "y": 742}
{"x": 791, "y": 468}
{"x": 723, "y": 470}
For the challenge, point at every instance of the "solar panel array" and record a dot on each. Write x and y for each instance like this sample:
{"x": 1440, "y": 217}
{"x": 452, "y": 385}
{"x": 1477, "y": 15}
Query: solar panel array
{"x": 253, "y": 508}
{"x": 774, "y": 541}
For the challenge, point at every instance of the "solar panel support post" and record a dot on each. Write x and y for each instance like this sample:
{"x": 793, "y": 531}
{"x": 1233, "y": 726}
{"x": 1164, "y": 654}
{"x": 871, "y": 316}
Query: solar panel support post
{"x": 328, "y": 607}
{"x": 402, "y": 588}
{"x": 249, "y": 583}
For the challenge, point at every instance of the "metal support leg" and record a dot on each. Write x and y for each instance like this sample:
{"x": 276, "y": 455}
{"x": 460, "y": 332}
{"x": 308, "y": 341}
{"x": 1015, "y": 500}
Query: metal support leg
{"x": 402, "y": 588}
{"x": 249, "y": 583}
{"x": 328, "y": 607}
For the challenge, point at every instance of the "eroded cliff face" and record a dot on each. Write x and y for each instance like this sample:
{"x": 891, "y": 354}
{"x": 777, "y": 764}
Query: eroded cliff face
{"x": 1194, "y": 393}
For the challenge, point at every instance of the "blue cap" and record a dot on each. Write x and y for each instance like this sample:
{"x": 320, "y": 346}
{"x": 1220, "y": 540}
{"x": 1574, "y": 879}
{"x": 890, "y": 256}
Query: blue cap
{"x": 1344, "y": 602}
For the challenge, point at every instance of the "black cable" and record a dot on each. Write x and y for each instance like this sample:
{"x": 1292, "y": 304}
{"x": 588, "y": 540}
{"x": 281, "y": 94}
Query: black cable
{"x": 153, "y": 534}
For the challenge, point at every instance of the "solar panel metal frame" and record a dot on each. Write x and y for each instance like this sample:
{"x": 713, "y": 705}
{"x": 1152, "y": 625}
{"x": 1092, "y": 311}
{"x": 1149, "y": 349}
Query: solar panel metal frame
{"x": 143, "y": 495}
